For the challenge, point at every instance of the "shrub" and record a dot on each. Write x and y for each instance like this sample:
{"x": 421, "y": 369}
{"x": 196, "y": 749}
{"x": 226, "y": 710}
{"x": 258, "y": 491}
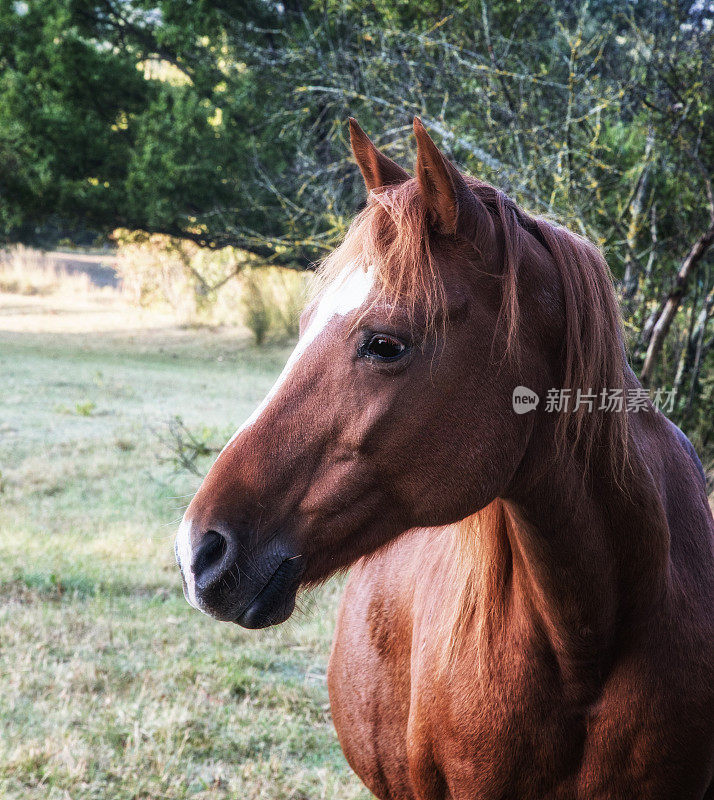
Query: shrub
{"x": 225, "y": 286}
{"x": 272, "y": 301}
{"x": 257, "y": 310}
{"x": 155, "y": 271}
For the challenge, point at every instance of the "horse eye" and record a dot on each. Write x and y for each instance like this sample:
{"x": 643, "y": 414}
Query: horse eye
{"x": 384, "y": 347}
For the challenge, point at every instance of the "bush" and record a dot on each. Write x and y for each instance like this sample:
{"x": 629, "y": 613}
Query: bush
{"x": 224, "y": 286}
{"x": 32, "y": 272}
{"x": 155, "y": 271}
{"x": 256, "y": 306}
{"x": 272, "y": 301}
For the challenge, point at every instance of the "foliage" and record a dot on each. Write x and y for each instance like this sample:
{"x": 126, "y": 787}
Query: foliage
{"x": 272, "y": 301}
{"x": 30, "y": 272}
{"x": 164, "y": 270}
{"x": 257, "y": 311}
{"x": 223, "y": 123}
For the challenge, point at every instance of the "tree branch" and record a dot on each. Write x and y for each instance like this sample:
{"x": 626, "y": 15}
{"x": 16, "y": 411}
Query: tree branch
{"x": 674, "y": 298}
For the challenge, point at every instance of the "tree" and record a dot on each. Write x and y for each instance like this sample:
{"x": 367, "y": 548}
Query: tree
{"x": 139, "y": 115}
{"x": 224, "y": 123}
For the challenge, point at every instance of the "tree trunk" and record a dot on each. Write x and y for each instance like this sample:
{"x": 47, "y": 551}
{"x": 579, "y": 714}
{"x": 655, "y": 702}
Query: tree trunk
{"x": 699, "y": 334}
{"x": 631, "y": 275}
{"x": 665, "y": 317}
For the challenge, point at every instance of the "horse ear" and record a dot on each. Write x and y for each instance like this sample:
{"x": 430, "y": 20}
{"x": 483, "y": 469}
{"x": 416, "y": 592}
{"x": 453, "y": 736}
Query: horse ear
{"x": 376, "y": 168}
{"x": 451, "y": 203}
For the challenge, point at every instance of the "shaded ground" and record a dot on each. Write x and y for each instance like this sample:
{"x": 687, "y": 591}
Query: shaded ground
{"x": 99, "y": 269}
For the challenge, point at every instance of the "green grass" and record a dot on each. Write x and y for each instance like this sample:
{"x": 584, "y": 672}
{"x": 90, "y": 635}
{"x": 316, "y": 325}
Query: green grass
{"x": 112, "y": 687}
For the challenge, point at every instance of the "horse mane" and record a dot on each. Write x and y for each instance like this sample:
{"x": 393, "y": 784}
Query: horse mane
{"x": 392, "y": 237}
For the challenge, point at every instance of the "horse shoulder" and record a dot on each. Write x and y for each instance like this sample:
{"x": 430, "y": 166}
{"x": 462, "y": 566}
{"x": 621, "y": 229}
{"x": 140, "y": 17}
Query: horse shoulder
{"x": 679, "y": 476}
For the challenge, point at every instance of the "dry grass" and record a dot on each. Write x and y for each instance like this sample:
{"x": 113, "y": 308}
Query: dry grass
{"x": 112, "y": 686}
{"x": 25, "y": 271}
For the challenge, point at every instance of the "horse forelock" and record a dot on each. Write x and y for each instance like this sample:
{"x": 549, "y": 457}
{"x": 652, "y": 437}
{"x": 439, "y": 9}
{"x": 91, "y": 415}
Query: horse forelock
{"x": 390, "y": 236}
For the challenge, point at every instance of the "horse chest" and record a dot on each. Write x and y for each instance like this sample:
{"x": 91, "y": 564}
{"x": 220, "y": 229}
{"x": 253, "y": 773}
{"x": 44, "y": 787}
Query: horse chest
{"x": 439, "y": 743}
{"x": 408, "y": 735}
{"x": 504, "y": 737}
{"x": 411, "y": 732}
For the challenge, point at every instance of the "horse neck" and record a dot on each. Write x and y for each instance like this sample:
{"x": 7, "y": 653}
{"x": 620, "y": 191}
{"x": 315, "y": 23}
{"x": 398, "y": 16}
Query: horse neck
{"x": 585, "y": 555}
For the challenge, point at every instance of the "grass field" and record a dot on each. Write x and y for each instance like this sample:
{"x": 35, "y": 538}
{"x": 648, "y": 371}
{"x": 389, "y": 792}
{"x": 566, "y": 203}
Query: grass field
{"x": 112, "y": 687}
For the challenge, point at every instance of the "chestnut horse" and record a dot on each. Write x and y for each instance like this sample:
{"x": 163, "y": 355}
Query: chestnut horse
{"x": 531, "y": 608}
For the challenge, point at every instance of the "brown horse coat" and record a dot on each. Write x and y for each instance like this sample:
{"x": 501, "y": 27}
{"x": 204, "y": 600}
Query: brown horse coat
{"x": 531, "y": 610}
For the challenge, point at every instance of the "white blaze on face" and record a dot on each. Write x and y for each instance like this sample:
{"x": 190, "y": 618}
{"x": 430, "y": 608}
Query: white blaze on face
{"x": 346, "y": 294}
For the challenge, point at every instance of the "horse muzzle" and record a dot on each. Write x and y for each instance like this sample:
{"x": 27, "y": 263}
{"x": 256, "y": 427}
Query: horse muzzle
{"x": 223, "y": 578}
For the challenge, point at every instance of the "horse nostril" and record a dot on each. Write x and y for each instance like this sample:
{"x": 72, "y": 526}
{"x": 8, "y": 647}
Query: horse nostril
{"x": 210, "y": 552}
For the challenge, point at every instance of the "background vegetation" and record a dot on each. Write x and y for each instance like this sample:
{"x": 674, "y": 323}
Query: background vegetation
{"x": 222, "y": 123}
